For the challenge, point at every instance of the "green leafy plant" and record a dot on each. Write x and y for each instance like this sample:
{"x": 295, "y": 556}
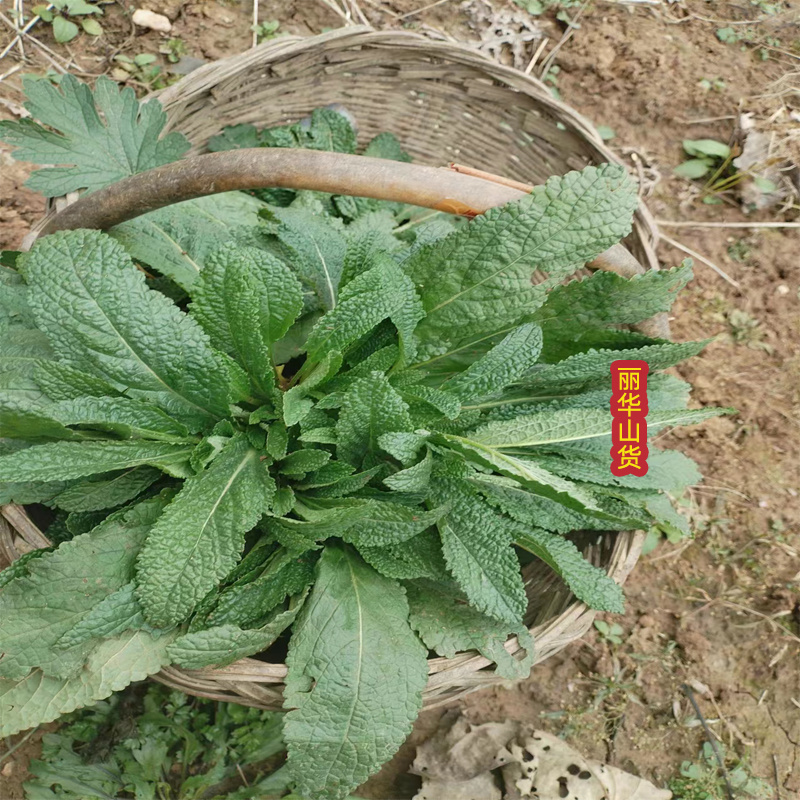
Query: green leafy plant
{"x": 702, "y": 779}
{"x": 50, "y": 75}
{"x": 749, "y": 36}
{"x": 707, "y": 84}
{"x": 59, "y": 12}
{"x": 174, "y": 49}
{"x": 768, "y": 7}
{"x": 746, "y": 329}
{"x": 706, "y": 155}
{"x": 538, "y": 7}
{"x": 609, "y": 632}
{"x": 156, "y": 743}
{"x": 741, "y": 250}
{"x": 308, "y": 423}
{"x": 551, "y": 79}
{"x": 266, "y": 30}
{"x": 143, "y": 69}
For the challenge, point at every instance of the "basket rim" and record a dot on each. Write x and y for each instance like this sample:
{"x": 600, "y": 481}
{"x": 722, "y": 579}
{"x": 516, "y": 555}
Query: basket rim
{"x": 358, "y": 36}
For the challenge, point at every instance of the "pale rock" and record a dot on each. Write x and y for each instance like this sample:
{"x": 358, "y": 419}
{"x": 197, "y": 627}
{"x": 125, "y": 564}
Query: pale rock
{"x": 149, "y": 19}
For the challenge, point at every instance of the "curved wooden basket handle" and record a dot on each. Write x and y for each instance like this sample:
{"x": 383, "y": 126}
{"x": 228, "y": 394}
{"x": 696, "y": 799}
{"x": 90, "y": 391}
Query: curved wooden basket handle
{"x": 438, "y": 188}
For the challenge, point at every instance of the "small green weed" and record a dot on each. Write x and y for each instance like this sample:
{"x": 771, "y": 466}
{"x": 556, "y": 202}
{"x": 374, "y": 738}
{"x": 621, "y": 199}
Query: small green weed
{"x": 141, "y": 69}
{"x": 706, "y": 155}
{"x": 746, "y": 329}
{"x": 740, "y": 250}
{"x": 609, "y": 633}
{"x": 768, "y": 7}
{"x": 749, "y": 36}
{"x": 64, "y": 29}
{"x": 709, "y": 157}
{"x": 160, "y": 744}
{"x": 538, "y": 7}
{"x": 702, "y": 780}
{"x": 51, "y": 75}
{"x": 174, "y": 49}
{"x": 551, "y": 79}
{"x": 266, "y": 30}
{"x": 715, "y": 84}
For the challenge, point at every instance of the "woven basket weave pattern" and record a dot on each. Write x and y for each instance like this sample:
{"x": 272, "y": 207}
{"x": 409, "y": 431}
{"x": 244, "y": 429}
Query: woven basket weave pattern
{"x": 444, "y": 102}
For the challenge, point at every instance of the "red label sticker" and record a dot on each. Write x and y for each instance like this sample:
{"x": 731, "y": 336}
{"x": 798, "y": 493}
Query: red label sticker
{"x": 628, "y": 418}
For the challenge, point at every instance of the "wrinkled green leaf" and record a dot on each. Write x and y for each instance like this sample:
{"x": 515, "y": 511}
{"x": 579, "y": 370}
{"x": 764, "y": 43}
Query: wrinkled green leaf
{"x": 477, "y": 547}
{"x": 121, "y": 416}
{"x": 37, "y": 699}
{"x": 200, "y": 536}
{"x": 62, "y": 587}
{"x": 484, "y": 278}
{"x": 603, "y": 299}
{"x": 225, "y": 644}
{"x": 112, "y": 616}
{"x": 371, "y": 408}
{"x": 178, "y": 240}
{"x": 505, "y": 363}
{"x": 104, "y": 136}
{"x": 588, "y": 583}
{"x": 69, "y": 460}
{"x": 99, "y": 315}
{"x": 447, "y": 624}
{"x": 354, "y": 662}
{"x": 106, "y": 491}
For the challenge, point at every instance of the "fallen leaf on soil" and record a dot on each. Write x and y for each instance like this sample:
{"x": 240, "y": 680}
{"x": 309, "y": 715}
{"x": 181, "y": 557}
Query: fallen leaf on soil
{"x": 462, "y": 761}
{"x": 481, "y": 787}
{"x": 458, "y": 751}
{"x": 506, "y": 34}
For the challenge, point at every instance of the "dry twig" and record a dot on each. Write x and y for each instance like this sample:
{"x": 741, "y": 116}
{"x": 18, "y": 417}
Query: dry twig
{"x": 775, "y": 776}
{"x": 348, "y": 10}
{"x": 703, "y": 259}
{"x": 18, "y": 18}
{"x": 711, "y": 739}
{"x": 55, "y": 60}
{"x": 10, "y": 752}
{"x": 8, "y": 73}
{"x": 571, "y": 28}
{"x": 709, "y": 601}
{"x": 697, "y": 224}
{"x": 535, "y": 58}
{"x": 420, "y": 10}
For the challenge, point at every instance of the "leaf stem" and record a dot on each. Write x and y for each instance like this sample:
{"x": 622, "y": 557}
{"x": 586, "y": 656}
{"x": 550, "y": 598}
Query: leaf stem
{"x": 719, "y": 171}
{"x": 411, "y": 223}
{"x": 711, "y": 740}
{"x": 10, "y": 752}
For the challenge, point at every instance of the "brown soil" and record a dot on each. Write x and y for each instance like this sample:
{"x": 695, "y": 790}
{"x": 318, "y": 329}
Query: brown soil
{"x": 720, "y": 614}
{"x": 14, "y": 770}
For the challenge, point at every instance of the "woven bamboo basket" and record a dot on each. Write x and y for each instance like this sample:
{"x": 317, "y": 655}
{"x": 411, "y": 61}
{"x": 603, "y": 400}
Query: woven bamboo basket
{"x": 445, "y": 103}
